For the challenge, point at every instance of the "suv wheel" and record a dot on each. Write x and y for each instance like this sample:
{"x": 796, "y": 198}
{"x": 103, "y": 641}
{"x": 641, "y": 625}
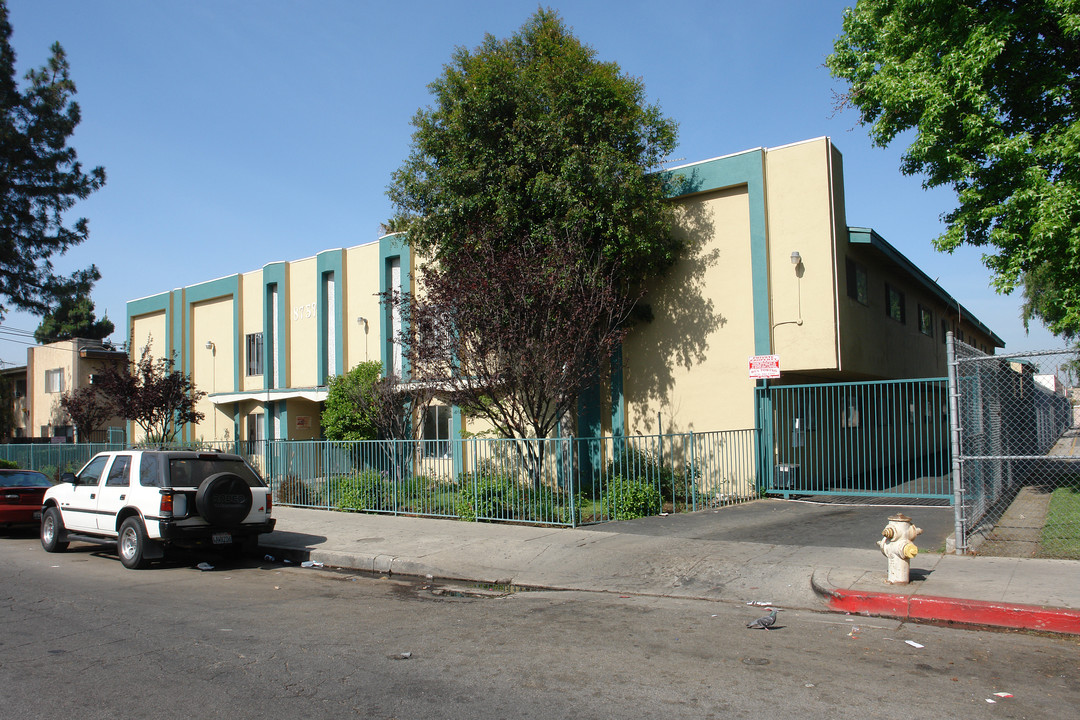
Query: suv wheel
{"x": 52, "y": 529}
{"x": 131, "y": 544}
{"x": 224, "y": 499}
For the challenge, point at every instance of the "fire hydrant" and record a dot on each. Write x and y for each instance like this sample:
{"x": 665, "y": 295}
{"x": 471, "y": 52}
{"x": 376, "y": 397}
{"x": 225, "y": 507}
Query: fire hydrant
{"x": 896, "y": 544}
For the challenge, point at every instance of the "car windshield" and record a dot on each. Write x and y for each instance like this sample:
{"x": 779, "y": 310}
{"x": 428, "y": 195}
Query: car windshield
{"x": 190, "y": 472}
{"x": 24, "y": 479}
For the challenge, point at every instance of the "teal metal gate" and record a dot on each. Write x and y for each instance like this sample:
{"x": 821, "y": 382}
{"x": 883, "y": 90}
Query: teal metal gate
{"x": 866, "y": 439}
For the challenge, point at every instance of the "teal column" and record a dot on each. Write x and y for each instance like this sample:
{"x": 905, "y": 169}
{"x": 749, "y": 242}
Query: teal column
{"x": 589, "y": 431}
{"x": 458, "y": 445}
{"x": 618, "y": 401}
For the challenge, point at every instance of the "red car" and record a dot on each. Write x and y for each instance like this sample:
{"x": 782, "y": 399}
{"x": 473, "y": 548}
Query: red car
{"x": 21, "y": 493}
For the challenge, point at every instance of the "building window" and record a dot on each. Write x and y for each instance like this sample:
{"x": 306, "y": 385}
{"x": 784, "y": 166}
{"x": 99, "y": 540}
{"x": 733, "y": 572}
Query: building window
{"x": 437, "y": 431}
{"x": 926, "y": 321}
{"x": 254, "y": 354}
{"x": 54, "y": 380}
{"x": 944, "y": 330}
{"x": 858, "y": 283}
{"x": 894, "y": 304}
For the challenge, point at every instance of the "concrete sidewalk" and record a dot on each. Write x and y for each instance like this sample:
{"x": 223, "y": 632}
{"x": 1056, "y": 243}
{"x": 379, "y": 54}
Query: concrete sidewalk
{"x": 687, "y": 556}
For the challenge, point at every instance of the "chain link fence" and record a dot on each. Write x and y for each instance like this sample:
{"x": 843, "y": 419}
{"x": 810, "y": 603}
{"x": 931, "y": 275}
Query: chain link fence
{"x": 1016, "y": 452}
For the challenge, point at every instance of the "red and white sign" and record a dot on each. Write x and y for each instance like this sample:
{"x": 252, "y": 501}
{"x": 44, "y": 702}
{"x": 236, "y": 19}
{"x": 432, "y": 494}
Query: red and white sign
{"x": 764, "y": 367}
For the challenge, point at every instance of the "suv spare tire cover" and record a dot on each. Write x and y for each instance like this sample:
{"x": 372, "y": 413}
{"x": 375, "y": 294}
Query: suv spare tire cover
{"x": 223, "y": 499}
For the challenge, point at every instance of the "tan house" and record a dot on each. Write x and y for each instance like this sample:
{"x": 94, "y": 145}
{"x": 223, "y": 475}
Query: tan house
{"x": 58, "y": 368}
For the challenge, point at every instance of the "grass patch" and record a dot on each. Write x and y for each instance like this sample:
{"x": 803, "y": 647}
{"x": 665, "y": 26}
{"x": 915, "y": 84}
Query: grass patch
{"x": 1061, "y": 533}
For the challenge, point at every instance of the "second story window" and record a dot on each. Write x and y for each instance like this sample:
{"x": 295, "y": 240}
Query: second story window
{"x": 858, "y": 283}
{"x": 894, "y": 304}
{"x": 926, "y": 321}
{"x": 254, "y": 354}
{"x": 54, "y": 380}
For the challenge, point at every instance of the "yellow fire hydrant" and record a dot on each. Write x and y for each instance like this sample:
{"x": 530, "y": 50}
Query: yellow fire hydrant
{"x": 896, "y": 544}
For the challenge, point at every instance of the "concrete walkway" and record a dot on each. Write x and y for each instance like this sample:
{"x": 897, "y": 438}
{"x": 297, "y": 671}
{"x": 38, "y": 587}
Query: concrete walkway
{"x": 793, "y": 555}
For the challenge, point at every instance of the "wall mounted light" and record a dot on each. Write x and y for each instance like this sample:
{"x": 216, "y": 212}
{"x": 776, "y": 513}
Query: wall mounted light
{"x": 210, "y": 345}
{"x": 796, "y": 258}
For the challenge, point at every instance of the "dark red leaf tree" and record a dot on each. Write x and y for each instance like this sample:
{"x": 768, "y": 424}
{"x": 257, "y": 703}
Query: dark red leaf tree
{"x": 88, "y": 409}
{"x": 514, "y": 335}
{"x": 153, "y": 394}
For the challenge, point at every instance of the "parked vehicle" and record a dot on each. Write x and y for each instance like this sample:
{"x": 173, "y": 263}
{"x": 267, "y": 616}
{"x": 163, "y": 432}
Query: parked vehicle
{"x": 21, "y": 495}
{"x": 150, "y": 500}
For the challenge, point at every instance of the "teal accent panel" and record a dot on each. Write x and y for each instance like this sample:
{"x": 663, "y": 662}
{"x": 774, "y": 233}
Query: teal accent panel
{"x": 163, "y": 302}
{"x": 331, "y": 261}
{"x": 455, "y": 433}
{"x": 223, "y": 287}
{"x": 274, "y": 274}
{"x": 390, "y": 247}
{"x": 589, "y": 430}
{"x": 747, "y": 169}
{"x": 618, "y": 400}
{"x": 236, "y": 423}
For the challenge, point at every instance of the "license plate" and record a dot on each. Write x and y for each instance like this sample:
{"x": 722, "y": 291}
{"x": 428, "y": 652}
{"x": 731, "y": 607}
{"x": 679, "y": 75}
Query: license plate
{"x": 221, "y": 538}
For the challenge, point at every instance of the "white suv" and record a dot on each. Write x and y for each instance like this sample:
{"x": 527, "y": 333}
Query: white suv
{"x": 147, "y": 500}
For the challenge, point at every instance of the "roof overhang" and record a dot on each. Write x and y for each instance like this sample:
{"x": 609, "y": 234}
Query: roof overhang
{"x": 867, "y": 236}
{"x": 309, "y": 394}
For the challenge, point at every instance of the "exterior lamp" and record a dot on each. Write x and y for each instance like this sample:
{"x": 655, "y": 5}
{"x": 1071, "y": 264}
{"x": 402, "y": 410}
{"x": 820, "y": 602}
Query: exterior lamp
{"x": 210, "y": 345}
{"x": 796, "y": 258}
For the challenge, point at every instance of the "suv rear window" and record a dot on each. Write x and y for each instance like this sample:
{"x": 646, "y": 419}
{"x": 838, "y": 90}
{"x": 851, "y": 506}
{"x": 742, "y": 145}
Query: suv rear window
{"x": 190, "y": 472}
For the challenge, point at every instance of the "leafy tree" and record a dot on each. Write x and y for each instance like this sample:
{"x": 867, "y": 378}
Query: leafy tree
{"x": 153, "y": 394}
{"x": 533, "y": 142}
{"x": 532, "y": 177}
{"x": 347, "y": 413}
{"x": 73, "y": 318}
{"x": 88, "y": 409}
{"x": 991, "y": 89}
{"x": 40, "y": 179}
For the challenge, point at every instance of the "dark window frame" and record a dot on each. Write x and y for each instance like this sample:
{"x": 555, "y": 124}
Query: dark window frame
{"x": 859, "y": 292}
{"x": 255, "y": 354}
{"x": 895, "y": 304}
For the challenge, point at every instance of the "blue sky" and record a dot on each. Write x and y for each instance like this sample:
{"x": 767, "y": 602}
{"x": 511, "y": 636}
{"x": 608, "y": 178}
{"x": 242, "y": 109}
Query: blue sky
{"x": 235, "y": 133}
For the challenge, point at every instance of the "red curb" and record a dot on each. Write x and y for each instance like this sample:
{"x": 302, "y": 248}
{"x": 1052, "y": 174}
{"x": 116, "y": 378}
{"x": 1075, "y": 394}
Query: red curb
{"x": 952, "y": 610}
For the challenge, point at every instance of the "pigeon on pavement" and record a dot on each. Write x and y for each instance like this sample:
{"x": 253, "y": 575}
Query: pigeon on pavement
{"x": 765, "y": 622}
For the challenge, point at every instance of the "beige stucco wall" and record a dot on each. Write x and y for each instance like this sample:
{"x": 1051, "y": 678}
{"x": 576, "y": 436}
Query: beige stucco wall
{"x": 798, "y": 191}
{"x": 302, "y": 321}
{"x": 212, "y": 371}
{"x": 689, "y": 364}
{"x": 362, "y": 301}
{"x": 148, "y": 329}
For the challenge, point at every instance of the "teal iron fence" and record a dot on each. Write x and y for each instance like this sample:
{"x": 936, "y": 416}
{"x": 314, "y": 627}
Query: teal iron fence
{"x": 885, "y": 438}
{"x": 556, "y": 481}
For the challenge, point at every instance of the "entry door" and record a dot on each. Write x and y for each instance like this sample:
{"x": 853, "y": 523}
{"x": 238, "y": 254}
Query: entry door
{"x": 113, "y": 492}
{"x": 81, "y": 512}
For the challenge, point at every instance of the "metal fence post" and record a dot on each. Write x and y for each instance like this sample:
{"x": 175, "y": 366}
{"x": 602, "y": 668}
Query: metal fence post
{"x": 954, "y": 445}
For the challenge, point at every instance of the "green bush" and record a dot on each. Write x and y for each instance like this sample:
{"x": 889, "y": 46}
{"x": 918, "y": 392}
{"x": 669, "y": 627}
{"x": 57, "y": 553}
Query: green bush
{"x": 627, "y": 499}
{"x": 498, "y": 496}
{"x": 293, "y": 491}
{"x": 370, "y": 490}
{"x": 643, "y": 466}
{"x": 9, "y": 465}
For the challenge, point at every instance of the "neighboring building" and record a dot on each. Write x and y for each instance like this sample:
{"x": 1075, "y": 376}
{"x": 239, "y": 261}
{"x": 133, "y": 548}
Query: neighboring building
{"x": 13, "y": 406}
{"x": 57, "y": 368}
{"x": 771, "y": 269}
